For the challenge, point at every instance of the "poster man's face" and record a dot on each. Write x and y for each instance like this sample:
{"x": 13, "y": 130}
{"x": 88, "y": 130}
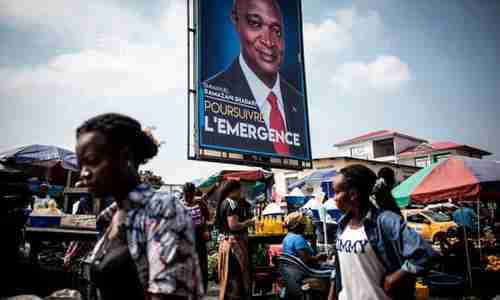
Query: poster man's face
{"x": 260, "y": 27}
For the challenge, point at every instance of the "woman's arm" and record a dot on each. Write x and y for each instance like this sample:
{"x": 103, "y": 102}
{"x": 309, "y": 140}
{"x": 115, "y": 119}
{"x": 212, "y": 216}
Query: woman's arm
{"x": 310, "y": 259}
{"x": 415, "y": 254}
{"x": 332, "y": 295}
{"x": 235, "y": 225}
{"x": 398, "y": 281}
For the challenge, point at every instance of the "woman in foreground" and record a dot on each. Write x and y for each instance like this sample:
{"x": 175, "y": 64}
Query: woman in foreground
{"x": 148, "y": 250}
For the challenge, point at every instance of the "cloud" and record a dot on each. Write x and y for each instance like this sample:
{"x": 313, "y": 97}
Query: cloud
{"x": 338, "y": 34}
{"x": 384, "y": 74}
{"x": 138, "y": 71}
{"x": 79, "y": 24}
{"x": 105, "y": 57}
{"x": 131, "y": 56}
{"x": 328, "y": 37}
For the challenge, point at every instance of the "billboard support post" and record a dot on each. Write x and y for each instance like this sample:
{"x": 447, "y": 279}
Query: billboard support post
{"x": 191, "y": 90}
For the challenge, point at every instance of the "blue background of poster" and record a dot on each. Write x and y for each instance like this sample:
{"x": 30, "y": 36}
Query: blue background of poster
{"x": 220, "y": 43}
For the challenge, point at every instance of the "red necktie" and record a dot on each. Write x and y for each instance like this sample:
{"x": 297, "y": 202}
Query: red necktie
{"x": 276, "y": 122}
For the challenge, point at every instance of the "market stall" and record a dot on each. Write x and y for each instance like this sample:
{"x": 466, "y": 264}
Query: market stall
{"x": 57, "y": 227}
{"x": 319, "y": 180}
{"x": 460, "y": 180}
{"x": 48, "y": 162}
{"x": 265, "y": 242}
{"x": 266, "y": 236}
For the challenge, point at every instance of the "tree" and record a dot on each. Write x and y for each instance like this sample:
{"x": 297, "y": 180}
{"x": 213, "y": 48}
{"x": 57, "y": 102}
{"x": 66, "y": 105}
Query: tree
{"x": 149, "y": 177}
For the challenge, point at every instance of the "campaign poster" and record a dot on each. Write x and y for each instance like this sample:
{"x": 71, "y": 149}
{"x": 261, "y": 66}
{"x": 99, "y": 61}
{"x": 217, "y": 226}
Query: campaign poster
{"x": 250, "y": 78}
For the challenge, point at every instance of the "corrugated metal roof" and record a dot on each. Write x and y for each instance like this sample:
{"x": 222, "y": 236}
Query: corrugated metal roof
{"x": 376, "y": 134}
{"x": 440, "y": 146}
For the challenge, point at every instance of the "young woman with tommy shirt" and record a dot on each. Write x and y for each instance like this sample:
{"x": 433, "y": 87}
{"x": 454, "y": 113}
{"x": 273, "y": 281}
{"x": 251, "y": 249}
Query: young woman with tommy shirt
{"x": 377, "y": 255}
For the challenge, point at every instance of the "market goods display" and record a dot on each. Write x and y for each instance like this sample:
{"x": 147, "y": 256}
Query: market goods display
{"x": 79, "y": 221}
{"x": 50, "y": 208}
{"x": 269, "y": 225}
{"x": 275, "y": 225}
{"x": 493, "y": 263}
{"x": 45, "y": 215}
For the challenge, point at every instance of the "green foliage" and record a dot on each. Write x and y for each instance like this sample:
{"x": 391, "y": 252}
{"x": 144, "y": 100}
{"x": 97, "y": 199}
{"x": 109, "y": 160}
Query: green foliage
{"x": 149, "y": 177}
{"x": 212, "y": 266}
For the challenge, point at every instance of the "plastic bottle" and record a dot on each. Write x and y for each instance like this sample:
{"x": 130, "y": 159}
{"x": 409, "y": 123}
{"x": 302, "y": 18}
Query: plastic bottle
{"x": 273, "y": 225}
{"x": 265, "y": 226}
{"x": 282, "y": 228}
{"x": 258, "y": 228}
{"x": 277, "y": 226}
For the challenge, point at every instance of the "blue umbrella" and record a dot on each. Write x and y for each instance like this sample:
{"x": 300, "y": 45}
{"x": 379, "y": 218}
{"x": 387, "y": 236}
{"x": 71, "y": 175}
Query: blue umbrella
{"x": 40, "y": 155}
{"x": 315, "y": 177}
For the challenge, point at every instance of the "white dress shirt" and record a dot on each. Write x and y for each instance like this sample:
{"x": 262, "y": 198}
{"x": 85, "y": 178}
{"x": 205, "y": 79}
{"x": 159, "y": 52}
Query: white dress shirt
{"x": 260, "y": 91}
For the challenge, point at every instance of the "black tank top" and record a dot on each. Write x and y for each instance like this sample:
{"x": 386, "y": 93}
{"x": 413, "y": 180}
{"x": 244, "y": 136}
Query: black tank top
{"x": 114, "y": 272}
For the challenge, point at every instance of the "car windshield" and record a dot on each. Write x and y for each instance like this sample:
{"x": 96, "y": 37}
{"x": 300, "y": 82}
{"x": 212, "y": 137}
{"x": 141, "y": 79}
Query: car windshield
{"x": 437, "y": 216}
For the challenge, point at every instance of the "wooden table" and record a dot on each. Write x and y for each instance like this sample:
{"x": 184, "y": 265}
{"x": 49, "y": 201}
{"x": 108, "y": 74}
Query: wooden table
{"x": 36, "y": 235}
{"x": 60, "y": 234}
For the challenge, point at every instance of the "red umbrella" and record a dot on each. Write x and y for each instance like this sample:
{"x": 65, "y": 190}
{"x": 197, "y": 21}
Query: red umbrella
{"x": 458, "y": 178}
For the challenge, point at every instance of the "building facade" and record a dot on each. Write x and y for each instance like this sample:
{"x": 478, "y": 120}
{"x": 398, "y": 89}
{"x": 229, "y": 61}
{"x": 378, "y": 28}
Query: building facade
{"x": 283, "y": 179}
{"x": 395, "y": 147}
{"x": 403, "y": 153}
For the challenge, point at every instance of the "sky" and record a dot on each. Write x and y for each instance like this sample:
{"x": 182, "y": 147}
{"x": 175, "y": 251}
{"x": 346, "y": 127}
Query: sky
{"x": 429, "y": 69}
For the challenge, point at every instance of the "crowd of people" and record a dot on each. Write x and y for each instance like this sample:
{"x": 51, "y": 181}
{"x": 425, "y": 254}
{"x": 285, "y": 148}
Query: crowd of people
{"x": 154, "y": 246}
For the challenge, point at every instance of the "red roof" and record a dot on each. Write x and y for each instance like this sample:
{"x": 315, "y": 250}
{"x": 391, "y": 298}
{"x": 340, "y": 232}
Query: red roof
{"x": 375, "y": 135}
{"x": 426, "y": 148}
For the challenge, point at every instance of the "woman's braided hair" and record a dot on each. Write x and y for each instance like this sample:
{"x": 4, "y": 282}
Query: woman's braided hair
{"x": 122, "y": 131}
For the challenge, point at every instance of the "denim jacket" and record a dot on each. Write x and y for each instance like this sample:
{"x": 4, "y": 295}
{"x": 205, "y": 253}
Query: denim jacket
{"x": 396, "y": 245}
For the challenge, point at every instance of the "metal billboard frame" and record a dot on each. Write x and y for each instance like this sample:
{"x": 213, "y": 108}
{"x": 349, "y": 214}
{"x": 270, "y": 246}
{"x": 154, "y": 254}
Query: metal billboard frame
{"x": 199, "y": 153}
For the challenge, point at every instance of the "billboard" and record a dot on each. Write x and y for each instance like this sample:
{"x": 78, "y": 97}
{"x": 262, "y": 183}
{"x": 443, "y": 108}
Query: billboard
{"x": 250, "y": 80}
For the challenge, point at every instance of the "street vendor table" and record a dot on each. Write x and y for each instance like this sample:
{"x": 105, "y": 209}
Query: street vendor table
{"x": 60, "y": 234}
{"x": 267, "y": 274}
{"x": 36, "y": 235}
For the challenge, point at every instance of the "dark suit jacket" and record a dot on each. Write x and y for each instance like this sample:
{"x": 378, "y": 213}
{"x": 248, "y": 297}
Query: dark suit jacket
{"x": 234, "y": 82}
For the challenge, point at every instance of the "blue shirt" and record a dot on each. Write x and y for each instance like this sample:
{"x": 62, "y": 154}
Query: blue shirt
{"x": 464, "y": 216}
{"x": 292, "y": 243}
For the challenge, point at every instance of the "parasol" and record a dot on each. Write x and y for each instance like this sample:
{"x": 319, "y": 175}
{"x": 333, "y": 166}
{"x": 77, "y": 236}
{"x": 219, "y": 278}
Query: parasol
{"x": 40, "y": 155}
{"x": 318, "y": 176}
{"x": 459, "y": 178}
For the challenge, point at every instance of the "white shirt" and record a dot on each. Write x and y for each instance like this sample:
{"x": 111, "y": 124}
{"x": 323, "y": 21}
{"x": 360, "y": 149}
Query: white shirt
{"x": 40, "y": 200}
{"x": 260, "y": 91}
{"x": 361, "y": 271}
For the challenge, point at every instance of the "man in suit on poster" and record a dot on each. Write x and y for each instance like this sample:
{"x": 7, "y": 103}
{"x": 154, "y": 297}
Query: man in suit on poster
{"x": 254, "y": 75}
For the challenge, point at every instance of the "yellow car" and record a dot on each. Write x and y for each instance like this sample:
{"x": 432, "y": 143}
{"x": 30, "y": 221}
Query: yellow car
{"x": 431, "y": 225}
